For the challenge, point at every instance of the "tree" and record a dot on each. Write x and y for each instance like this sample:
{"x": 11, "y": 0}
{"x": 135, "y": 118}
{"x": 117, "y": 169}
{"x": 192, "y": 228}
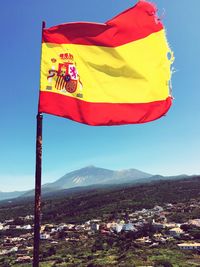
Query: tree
{"x": 18, "y": 221}
{"x": 185, "y": 227}
{"x": 98, "y": 245}
{"x": 51, "y": 251}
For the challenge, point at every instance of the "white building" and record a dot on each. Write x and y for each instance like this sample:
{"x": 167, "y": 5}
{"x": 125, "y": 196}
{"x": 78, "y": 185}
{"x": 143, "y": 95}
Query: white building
{"x": 129, "y": 227}
{"x": 44, "y": 236}
{"x": 189, "y": 246}
{"x": 176, "y": 232}
{"x": 158, "y": 208}
{"x": 94, "y": 227}
{"x": 27, "y": 227}
{"x": 157, "y": 226}
{"x": 14, "y": 249}
{"x": 118, "y": 227}
{"x": 29, "y": 217}
{"x": 195, "y": 222}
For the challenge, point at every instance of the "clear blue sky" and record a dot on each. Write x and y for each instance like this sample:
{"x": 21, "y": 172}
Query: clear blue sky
{"x": 168, "y": 146}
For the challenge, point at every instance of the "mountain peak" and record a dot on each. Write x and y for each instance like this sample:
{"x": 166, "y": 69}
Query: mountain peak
{"x": 89, "y": 167}
{"x": 92, "y": 175}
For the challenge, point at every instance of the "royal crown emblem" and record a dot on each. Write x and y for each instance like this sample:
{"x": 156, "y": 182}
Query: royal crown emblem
{"x": 63, "y": 75}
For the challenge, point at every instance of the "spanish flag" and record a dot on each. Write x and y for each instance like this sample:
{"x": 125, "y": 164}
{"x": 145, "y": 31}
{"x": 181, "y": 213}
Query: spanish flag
{"x": 107, "y": 74}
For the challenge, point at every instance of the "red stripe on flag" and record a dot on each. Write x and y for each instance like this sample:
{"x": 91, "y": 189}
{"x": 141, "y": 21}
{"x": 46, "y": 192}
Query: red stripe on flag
{"x": 133, "y": 24}
{"x": 101, "y": 113}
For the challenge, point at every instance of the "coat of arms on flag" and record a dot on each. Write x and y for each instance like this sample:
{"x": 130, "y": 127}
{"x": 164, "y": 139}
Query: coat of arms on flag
{"x": 63, "y": 75}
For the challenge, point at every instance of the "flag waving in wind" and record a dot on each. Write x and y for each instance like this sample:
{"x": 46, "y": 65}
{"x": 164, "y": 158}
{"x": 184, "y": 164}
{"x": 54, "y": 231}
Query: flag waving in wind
{"x": 107, "y": 74}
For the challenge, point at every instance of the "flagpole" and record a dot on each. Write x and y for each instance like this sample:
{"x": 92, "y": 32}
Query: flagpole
{"x": 38, "y": 172}
{"x": 38, "y": 175}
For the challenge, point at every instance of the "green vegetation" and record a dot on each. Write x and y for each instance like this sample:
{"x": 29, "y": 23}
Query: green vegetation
{"x": 121, "y": 250}
{"x": 108, "y": 251}
{"x": 109, "y": 202}
{"x": 121, "y": 253}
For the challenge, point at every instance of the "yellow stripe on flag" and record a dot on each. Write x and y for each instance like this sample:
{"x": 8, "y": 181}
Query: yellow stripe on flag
{"x": 137, "y": 72}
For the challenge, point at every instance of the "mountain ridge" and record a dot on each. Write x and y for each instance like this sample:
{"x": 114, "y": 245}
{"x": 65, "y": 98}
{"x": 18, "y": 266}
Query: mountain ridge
{"x": 92, "y": 176}
{"x": 10, "y": 195}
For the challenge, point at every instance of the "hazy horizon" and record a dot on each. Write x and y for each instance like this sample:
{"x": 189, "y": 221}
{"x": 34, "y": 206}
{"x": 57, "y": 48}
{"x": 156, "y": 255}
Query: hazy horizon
{"x": 53, "y": 178}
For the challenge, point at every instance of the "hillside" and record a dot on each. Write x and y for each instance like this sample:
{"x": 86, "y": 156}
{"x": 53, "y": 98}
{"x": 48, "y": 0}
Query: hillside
{"x": 81, "y": 205}
{"x": 10, "y": 195}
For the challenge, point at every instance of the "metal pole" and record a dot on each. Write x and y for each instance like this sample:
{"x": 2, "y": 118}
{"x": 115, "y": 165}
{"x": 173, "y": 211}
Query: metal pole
{"x": 38, "y": 172}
